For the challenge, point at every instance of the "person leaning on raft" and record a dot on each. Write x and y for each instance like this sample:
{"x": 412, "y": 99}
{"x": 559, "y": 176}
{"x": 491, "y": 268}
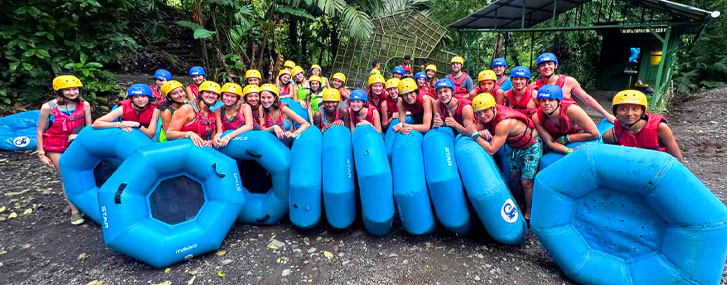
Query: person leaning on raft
{"x": 418, "y": 105}
{"x": 275, "y": 115}
{"x": 234, "y": 115}
{"x": 361, "y": 112}
{"x": 137, "y": 111}
{"x": 559, "y": 122}
{"x": 331, "y": 113}
{"x": 195, "y": 120}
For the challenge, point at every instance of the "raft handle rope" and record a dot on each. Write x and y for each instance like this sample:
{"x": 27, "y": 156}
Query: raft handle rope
{"x": 214, "y": 167}
{"x": 255, "y": 155}
{"x": 117, "y": 197}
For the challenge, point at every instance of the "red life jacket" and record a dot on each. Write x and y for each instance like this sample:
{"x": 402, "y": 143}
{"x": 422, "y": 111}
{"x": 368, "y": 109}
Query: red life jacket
{"x": 521, "y": 105}
{"x": 560, "y": 82}
{"x": 324, "y": 119}
{"x": 520, "y": 141}
{"x": 479, "y": 91}
{"x": 427, "y": 90}
{"x": 459, "y": 91}
{"x": 130, "y": 114}
{"x": 647, "y": 138}
{"x": 204, "y": 127}
{"x": 416, "y": 109}
{"x": 285, "y": 90}
{"x": 55, "y": 137}
{"x": 444, "y": 111}
{"x": 234, "y": 123}
{"x": 376, "y": 103}
{"x": 195, "y": 90}
{"x": 501, "y": 80}
{"x": 280, "y": 120}
{"x": 369, "y": 116}
{"x": 158, "y": 96}
{"x": 564, "y": 127}
{"x": 391, "y": 106}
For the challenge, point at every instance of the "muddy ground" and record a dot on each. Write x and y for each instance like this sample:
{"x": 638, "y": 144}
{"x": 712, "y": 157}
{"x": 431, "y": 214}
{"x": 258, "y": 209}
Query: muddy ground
{"x": 41, "y": 247}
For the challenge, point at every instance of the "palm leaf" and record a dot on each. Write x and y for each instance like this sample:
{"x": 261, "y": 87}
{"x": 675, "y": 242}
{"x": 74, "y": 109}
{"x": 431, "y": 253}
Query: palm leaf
{"x": 295, "y": 12}
{"x": 358, "y": 23}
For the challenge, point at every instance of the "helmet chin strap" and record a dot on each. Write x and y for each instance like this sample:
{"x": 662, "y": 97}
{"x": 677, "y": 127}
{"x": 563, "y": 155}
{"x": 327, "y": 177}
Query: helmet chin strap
{"x": 556, "y": 109}
{"x": 634, "y": 123}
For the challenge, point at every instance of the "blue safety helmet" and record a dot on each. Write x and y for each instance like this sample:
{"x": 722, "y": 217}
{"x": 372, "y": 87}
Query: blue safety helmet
{"x": 420, "y": 74}
{"x": 140, "y": 90}
{"x": 444, "y": 83}
{"x": 520, "y": 71}
{"x": 546, "y": 57}
{"x": 550, "y": 91}
{"x": 163, "y": 74}
{"x": 500, "y": 61}
{"x": 398, "y": 70}
{"x": 358, "y": 94}
{"x": 196, "y": 70}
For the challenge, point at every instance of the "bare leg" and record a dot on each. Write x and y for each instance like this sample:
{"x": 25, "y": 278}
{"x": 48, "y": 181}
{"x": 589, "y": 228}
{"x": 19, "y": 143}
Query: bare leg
{"x": 515, "y": 187}
{"x": 527, "y": 185}
{"x": 54, "y": 157}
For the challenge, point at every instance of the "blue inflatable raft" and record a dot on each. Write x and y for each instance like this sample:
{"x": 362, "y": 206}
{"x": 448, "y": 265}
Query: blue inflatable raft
{"x": 488, "y": 192}
{"x": 410, "y": 186}
{"x": 339, "y": 192}
{"x": 374, "y": 180}
{"x": 86, "y": 152}
{"x": 445, "y": 186}
{"x": 551, "y": 157}
{"x": 297, "y": 108}
{"x": 170, "y": 202}
{"x": 19, "y": 131}
{"x": 265, "y": 149}
{"x": 616, "y": 215}
{"x": 390, "y": 136}
{"x": 305, "y": 200}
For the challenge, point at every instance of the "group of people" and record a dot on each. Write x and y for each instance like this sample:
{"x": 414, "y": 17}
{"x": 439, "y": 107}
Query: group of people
{"x": 528, "y": 116}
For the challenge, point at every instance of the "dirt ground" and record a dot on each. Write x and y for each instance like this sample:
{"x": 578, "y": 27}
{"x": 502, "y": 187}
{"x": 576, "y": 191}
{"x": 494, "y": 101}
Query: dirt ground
{"x": 41, "y": 247}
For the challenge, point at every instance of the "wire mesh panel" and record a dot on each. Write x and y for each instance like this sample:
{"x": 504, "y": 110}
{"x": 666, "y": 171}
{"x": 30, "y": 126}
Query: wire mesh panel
{"x": 441, "y": 59}
{"x": 428, "y": 32}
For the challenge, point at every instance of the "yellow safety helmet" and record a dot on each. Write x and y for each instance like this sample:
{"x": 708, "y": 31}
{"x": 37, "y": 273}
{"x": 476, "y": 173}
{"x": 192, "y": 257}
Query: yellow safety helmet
{"x": 432, "y": 67}
{"x": 486, "y": 75}
{"x": 66, "y": 81}
{"x": 283, "y": 72}
{"x": 210, "y": 86}
{"x": 250, "y": 89}
{"x": 270, "y": 88}
{"x": 392, "y": 83}
{"x": 315, "y": 66}
{"x": 483, "y": 102}
{"x": 315, "y": 78}
{"x": 170, "y": 85}
{"x": 339, "y": 76}
{"x": 407, "y": 85}
{"x": 253, "y": 73}
{"x": 376, "y": 78}
{"x": 331, "y": 95}
{"x": 630, "y": 96}
{"x": 457, "y": 59}
{"x": 289, "y": 64}
{"x": 297, "y": 70}
{"x": 233, "y": 88}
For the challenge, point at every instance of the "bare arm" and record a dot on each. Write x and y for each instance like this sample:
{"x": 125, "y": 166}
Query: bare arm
{"x": 500, "y": 97}
{"x": 317, "y": 121}
{"x": 582, "y": 120}
{"x": 190, "y": 94}
{"x": 588, "y": 100}
{"x": 87, "y": 113}
{"x": 166, "y": 117}
{"x": 498, "y": 138}
{"x": 547, "y": 138}
{"x": 180, "y": 117}
{"x": 377, "y": 121}
{"x": 247, "y": 113}
{"x": 609, "y": 137}
{"x": 298, "y": 119}
{"x": 152, "y": 128}
{"x": 667, "y": 137}
{"x": 107, "y": 121}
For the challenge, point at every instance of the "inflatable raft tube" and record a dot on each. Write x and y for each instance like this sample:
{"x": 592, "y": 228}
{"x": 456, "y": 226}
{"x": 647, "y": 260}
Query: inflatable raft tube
{"x": 629, "y": 216}
{"x": 339, "y": 192}
{"x": 86, "y": 152}
{"x": 265, "y": 149}
{"x": 445, "y": 185}
{"x": 374, "y": 180}
{"x": 170, "y": 202}
{"x": 297, "y": 108}
{"x": 305, "y": 200}
{"x": 410, "y": 186}
{"x": 489, "y": 193}
{"x": 551, "y": 156}
{"x": 19, "y": 131}
{"x": 390, "y": 136}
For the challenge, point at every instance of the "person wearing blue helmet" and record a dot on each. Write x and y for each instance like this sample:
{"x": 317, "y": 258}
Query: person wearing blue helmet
{"x": 522, "y": 96}
{"x": 398, "y": 72}
{"x": 451, "y": 111}
{"x": 198, "y": 76}
{"x": 547, "y": 66}
{"x": 499, "y": 65}
{"x": 360, "y": 112}
{"x": 559, "y": 122}
{"x": 161, "y": 76}
{"x": 137, "y": 111}
{"x": 423, "y": 86}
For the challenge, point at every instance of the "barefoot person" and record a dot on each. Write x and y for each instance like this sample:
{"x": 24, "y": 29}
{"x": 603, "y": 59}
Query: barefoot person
{"x": 450, "y": 111}
{"x": 417, "y": 105}
{"x": 175, "y": 97}
{"x": 276, "y": 114}
{"x": 547, "y": 65}
{"x": 635, "y": 127}
{"x": 498, "y": 125}
{"x": 137, "y": 111}
{"x": 331, "y": 113}
{"x": 234, "y": 115}
{"x": 198, "y": 75}
{"x": 499, "y": 65}
{"x": 560, "y": 123}
{"x": 195, "y": 120}
{"x": 361, "y": 112}
{"x": 462, "y": 81}
{"x": 487, "y": 83}
{"x": 60, "y": 121}
{"x": 522, "y": 96}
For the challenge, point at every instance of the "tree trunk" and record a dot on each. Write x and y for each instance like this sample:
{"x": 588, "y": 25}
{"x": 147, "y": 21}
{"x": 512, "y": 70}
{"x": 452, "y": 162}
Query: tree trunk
{"x": 334, "y": 39}
{"x": 268, "y": 27}
{"x": 293, "y": 37}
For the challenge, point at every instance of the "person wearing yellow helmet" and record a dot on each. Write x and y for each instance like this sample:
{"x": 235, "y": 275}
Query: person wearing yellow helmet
{"x": 332, "y": 113}
{"x": 234, "y": 115}
{"x": 285, "y": 84}
{"x": 316, "y": 70}
{"x": 547, "y": 66}
{"x": 314, "y": 97}
{"x": 375, "y": 89}
{"x": 289, "y": 64}
{"x": 498, "y": 125}
{"x": 173, "y": 91}
{"x": 198, "y": 76}
{"x": 388, "y": 107}
{"x": 431, "y": 71}
{"x": 253, "y": 77}
{"x": 560, "y": 123}
{"x": 276, "y": 115}
{"x": 635, "y": 127}
{"x": 462, "y": 81}
{"x": 416, "y": 104}
{"x": 486, "y": 83}
{"x": 137, "y": 111}
{"x": 338, "y": 81}
{"x": 60, "y": 121}
{"x": 299, "y": 77}
{"x": 251, "y": 96}
{"x": 195, "y": 120}
{"x": 450, "y": 111}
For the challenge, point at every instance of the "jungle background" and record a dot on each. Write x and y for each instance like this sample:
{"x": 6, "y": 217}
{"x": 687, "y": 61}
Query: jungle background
{"x": 97, "y": 40}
